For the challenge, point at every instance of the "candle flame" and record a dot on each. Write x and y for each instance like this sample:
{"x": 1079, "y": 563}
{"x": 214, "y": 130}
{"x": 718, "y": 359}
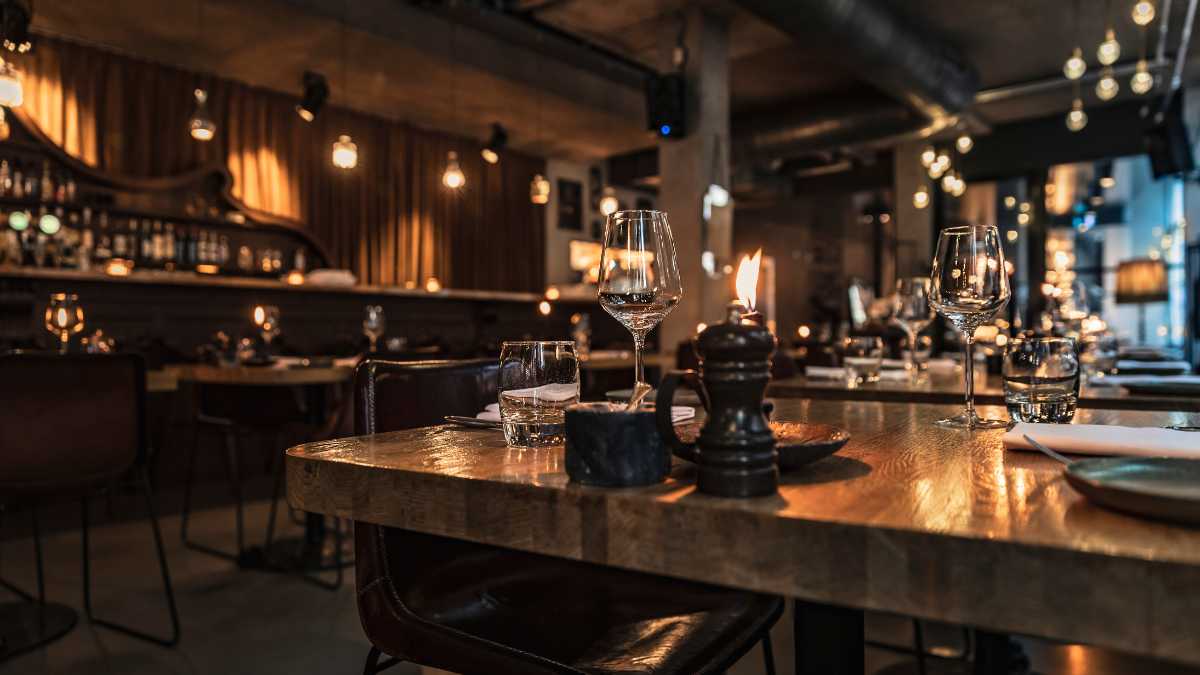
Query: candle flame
{"x": 747, "y": 280}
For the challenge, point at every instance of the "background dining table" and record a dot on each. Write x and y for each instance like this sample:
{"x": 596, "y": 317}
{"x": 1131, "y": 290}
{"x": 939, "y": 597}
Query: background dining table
{"x": 911, "y": 518}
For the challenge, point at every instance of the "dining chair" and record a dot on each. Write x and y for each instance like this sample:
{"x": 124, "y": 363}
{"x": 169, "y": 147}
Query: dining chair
{"x": 72, "y": 426}
{"x": 474, "y": 608}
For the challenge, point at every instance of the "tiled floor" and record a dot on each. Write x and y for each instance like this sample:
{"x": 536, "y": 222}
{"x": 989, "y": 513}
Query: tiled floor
{"x": 255, "y": 623}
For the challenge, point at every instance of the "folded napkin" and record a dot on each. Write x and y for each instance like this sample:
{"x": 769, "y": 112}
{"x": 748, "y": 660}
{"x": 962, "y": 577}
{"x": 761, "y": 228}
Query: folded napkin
{"x": 1099, "y": 439}
{"x": 893, "y": 375}
{"x": 679, "y": 413}
{"x": 1118, "y": 380}
{"x": 546, "y": 392}
{"x": 1168, "y": 366}
{"x": 825, "y": 373}
{"x": 892, "y": 364}
{"x": 941, "y": 365}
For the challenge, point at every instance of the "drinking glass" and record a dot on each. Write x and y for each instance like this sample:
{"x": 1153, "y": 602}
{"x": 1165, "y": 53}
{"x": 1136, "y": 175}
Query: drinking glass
{"x": 1041, "y": 379}
{"x": 968, "y": 286}
{"x": 266, "y": 317}
{"x": 538, "y": 381}
{"x": 374, "y": 323}
{"x": 639, "y": 277}
{"x": 862, "y": 358}
{"x": 64, "y": 318}
{"x": 912, "y": 312}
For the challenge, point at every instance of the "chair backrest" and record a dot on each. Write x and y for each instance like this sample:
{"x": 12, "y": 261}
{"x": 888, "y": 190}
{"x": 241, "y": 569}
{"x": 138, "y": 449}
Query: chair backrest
{"x": 391, "y": 395}
{"x": 69, "y": 423}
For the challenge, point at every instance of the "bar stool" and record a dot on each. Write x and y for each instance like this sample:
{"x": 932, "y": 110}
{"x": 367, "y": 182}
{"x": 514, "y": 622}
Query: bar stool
{"x": 71, "y": 426}
{"x": 474, "y": 608}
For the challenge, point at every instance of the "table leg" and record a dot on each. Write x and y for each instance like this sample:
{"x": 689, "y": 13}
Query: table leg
{"x": 828, "y": 639}
{"x": 999, "y": 654}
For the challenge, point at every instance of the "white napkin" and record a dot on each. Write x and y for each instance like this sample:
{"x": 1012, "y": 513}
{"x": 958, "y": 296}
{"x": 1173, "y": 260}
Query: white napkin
{"x": 1168, "y": 366}
{"x": 1099, "y": 439}
{"x": 1118, "y": 380}
{"x": 825, "y": 373}
{"x": 489, "y": 415}
{"x": 546, "y": 392}
{"x": 679, "y": 413}
{"x": 893, "y": 375}
{"x": 941, "y": 365}
{"x": 892, "y": 364}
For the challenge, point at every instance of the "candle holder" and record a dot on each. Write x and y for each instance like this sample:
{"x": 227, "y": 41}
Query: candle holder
{"x": 735, "y": 452}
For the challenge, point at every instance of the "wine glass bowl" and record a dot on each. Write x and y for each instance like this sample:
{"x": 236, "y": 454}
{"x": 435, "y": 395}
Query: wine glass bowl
{"x": 968, "y": 285}
{"x": 912, "y": 312}
{"x": 639, "y": 281}
{"x": 64, "y": 318}
{"x": 374, "y": 324}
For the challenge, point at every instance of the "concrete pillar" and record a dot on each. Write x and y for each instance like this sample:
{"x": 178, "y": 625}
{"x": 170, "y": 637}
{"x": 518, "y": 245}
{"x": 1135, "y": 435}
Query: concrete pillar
{"x": 686, "y": 167}
{"x": 914, "y": 227}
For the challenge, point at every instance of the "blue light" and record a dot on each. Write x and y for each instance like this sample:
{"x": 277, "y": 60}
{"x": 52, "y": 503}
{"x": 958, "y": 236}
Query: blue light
{"x": 665, "y": 130}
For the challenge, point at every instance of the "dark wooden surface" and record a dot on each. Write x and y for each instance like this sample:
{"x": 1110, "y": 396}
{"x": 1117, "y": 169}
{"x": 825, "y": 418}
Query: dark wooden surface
{"x": 948, "y": 389}
{"x": 908, "y": 517}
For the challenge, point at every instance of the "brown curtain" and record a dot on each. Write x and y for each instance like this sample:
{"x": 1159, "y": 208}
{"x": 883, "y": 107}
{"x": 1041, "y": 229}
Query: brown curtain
{"x": 389, "y": 220}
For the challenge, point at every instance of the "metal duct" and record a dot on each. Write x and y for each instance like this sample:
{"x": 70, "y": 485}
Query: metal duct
{"x": 844, "y": 121}
{"x": 875, "y": 44}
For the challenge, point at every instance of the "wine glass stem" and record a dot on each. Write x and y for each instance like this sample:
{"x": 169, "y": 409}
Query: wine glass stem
{"x": 372, "y": 338}
{"x": 65, "y": 338}
{"x": 639, "y": 343}
{"x": 969, "y": 371}
{"x": 912, "y": 352}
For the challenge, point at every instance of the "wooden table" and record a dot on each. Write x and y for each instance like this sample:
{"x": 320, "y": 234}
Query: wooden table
{"x": 910, "y": 518}
{"x": 947, "y": 388}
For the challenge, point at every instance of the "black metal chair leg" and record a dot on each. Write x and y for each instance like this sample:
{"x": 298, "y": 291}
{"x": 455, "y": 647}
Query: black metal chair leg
{"x": 768, "y": 653}
{"x": 278, "y": 487}
{"x": 919, "y": 646}
{"x": 185, "y": 513}
{"x": 235, "y": 477}
{"x": 374, "y": 666}
{"x": 229, "y": 458}
{"x": 37, "y": 553}
{"x": 152, "y": 516}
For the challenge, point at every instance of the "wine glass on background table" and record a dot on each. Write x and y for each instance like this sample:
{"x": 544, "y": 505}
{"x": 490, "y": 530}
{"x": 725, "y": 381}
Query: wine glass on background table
{"x": 639, "y": 276}
{"x": 968, "y": 286}
{"x": 64, "y": 318}
{"x": 374, "y": 324}
{"x": 912, "y": 312}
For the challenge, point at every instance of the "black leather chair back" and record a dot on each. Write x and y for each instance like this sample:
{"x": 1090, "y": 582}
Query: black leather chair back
{"x": 69, "y": 423}
{"x": 393, "y": 395}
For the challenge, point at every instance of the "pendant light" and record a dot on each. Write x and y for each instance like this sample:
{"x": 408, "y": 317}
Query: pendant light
{"x": 921, "y": 197}
{"x": 1142, "y": 81}
{"x": 1143, "y": 12}
{"x": 12, "y": 94}
{"x": 1075, "y": 66}
{"x": 964, "y": 143}
{"x": 453, "y": 177}
{"x": 1107, "y": 86}
{"x": 1109, "y": 50}
{"x": 928, "y": 156}
{"x": 539, "y": 189}
{"x": 201, "y": 126}
{"x": 345, "y": 150}
{"x": 1077, "y": 119}
{"x": 608, "y": 201}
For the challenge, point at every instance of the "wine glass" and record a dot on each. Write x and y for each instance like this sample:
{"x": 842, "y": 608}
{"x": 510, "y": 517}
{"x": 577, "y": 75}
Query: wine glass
{"x": 374, "y": 323}
{"x": 912, "y": 312}
{"x": 64, "y": 318}
{"x": 968, "y": 286}
{"x": 639, "y": 277}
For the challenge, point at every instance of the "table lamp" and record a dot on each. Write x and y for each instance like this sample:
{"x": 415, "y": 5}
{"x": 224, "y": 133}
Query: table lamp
{"x": 1141, "y": 281}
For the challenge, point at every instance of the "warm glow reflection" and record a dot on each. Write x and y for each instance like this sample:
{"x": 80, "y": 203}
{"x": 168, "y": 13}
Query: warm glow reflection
{"x": 544, "y": 308}
{"x": 700, "y": 327}
{"x": 260, "y": 315}
{"x": 295, "y": 278}
{"x": 804, "y": 332}
{"x": 207, "y": 268}
{"x": 433, "y": 285}
{"x": 552, "y": 293}
{"x": 118, "y": 267}
{"x": 747, "y": 280}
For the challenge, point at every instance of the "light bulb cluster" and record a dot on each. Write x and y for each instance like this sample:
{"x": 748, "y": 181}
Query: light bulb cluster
{"x": 938, "y": 167}
{"x": 1108, "y": 52}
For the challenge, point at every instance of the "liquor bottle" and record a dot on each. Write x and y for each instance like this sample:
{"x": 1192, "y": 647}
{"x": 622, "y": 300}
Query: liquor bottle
{"x": 169, "y": 257}
{"x": 5, "y": 178}
{"x": 300, "y": 260}
{"x": 71, "y": 188}
{"x": 119, "y": 242}
{"x": 46, "y": 189}
{"x": 60, "y": 188}
{"x": 87, "y": 243}
{"x": 147, "y": 243}
{"x": 193, "y": 254}
{"x": 104, "y": 249}
{"x": 18, "y": 180}
{"x": 223, "y": 251}
{"x": 158, "y": 252}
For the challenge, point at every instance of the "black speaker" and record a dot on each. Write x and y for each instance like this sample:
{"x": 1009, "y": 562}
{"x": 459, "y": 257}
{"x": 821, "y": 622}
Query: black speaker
{"x": 665, "y": 105}
{"x": 1167, "y": 142}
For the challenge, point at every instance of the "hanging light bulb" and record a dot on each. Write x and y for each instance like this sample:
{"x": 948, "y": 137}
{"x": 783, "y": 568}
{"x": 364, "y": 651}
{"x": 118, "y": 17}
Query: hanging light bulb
{"x": 1143, "y": 12}
{"x": 453, "y": 177}
{"x": 201, "y": 125}
{"x": 1110, "y": 50}
{"x": 1077, "y": 118}
{"x": 960, "y": 186}
{"x": 539, "y": 189}
{"x": 608, "y": 202}
{"x": 1107, "y": 86}
{"x": 345, "y": 153}
{"x": 1075, "y": 66}
{"x": 937, "y": 171}
{"x": 964, "y": 143}
{"x": 1142, "y": 81}
{"x": 928, "y": 156}
{"x": 921, "y": 198}
{"x": 12, "y": 94}
{"x": 948, "y": 182}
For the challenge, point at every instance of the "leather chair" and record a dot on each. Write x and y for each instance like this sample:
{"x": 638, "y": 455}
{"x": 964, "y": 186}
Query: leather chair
{"x": 70, "y": 427}
{"x": 474, "y": 608}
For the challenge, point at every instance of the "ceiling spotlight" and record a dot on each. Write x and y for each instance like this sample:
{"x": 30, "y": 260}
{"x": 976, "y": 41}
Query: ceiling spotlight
{"x": 499, "y": 139}
{"x": 928, "y": 156}
{"x": 1107, "y": 86}
{"x": 964, "y": 143}
{"x": 201, "y": 125}
{"x": 1075, "y": 66}
{"x": 1142, "y": 81}
{"x": 921, "y": 197}
{"x": 14, "y": 25}
{"x": 1110, "y": 50}
{"x": 316, "y": 91}
{"x": 345, "y": 153}
{"x": 539, "y": 189}
{"x": 1143, "y": 12}
{"x": 608, "y": 202}
{"x": 12, "y": 94}
{"x": 1077, "y": 118}
{"x": 453, "y": 177}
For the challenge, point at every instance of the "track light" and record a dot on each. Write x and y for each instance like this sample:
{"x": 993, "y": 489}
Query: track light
{"x": 14, "y": 25}
{"x": 201, "y": 125}
{"x": 497, "y": 142}
{"x": 316, "y": 91}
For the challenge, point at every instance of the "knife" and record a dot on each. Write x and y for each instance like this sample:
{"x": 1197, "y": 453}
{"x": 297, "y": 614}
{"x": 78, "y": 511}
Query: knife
{"x": 473, "y": 422}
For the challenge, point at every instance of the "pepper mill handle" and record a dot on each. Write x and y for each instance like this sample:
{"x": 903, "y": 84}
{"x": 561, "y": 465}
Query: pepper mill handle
{"x": 662, "y": 406}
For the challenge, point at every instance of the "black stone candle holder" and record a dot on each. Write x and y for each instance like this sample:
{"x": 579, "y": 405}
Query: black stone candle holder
{"x": 609, "y": 447}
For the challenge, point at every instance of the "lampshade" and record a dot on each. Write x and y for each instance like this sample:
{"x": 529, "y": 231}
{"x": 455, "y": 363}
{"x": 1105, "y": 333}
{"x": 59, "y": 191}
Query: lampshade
{"x": 1142, "y": 280}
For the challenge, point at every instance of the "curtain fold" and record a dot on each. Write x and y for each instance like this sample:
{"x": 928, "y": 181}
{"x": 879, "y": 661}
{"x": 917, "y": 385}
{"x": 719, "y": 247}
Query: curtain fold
{"x": 390, "y": 220}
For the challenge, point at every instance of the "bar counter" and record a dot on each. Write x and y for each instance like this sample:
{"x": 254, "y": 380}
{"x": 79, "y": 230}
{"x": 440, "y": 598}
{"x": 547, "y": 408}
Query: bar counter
{"x": 909, "y": 518}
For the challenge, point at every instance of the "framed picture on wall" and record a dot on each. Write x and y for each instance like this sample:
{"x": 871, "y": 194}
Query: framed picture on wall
{"x": 570, "y": 205}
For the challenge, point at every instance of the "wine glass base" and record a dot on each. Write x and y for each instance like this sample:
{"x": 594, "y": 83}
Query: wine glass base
{"x": 969, "y": 419}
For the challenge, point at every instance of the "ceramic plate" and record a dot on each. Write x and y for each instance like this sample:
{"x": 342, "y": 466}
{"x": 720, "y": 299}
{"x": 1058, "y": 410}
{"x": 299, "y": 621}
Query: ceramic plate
{"x": 1163, "y": 488}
